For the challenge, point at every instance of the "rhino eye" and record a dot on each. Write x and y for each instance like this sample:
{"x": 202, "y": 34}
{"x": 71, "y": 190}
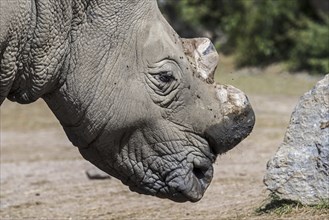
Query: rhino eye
{"x": 163, "y": 82}
{"x": 166, "y": 77}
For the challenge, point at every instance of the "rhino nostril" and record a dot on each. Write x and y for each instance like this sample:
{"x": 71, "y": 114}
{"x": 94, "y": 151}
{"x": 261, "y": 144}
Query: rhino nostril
{"x": 199, "y": 173}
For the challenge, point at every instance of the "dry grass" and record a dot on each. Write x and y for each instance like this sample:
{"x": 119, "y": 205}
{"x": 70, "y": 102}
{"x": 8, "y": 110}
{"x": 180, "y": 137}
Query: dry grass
{"x": 271, "y": 81}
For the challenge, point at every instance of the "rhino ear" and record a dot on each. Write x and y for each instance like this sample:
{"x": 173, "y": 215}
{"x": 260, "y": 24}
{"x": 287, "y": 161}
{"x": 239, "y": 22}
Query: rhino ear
{"x": 203, "y": 55}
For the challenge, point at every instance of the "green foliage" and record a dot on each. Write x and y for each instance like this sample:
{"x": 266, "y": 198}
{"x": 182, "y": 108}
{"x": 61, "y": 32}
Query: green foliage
{"x": 264, "y": 37}
{"x": 311, "y": 49}
{"x": 260, "y": 32}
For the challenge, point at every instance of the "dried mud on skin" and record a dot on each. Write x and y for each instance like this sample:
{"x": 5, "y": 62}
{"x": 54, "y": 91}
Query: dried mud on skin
{"x": 43, "y": 175}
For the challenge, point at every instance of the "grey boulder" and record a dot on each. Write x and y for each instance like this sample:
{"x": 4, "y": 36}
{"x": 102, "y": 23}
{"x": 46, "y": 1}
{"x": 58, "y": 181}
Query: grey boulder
{"x": 299, "y": 170}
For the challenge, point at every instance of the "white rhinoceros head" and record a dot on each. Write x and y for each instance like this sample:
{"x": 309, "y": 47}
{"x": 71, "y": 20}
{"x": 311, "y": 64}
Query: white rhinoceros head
{"x": 141, "y": 103}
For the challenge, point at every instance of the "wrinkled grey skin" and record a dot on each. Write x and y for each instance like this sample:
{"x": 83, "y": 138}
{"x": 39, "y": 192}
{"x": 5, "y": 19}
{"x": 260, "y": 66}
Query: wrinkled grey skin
{"x": 138, "y": 101}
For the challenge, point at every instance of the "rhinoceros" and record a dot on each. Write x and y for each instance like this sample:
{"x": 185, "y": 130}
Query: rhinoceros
{"x": 138, "y": 101}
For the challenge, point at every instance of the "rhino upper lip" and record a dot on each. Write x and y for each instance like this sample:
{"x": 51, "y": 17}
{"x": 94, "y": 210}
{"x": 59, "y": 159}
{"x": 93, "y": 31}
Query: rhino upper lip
{"x": 199, "y": 179}
{"x": 194, "y": 183}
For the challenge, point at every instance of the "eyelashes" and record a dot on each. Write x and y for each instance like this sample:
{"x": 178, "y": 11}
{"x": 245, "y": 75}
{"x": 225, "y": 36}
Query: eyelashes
{"x": 166, "y": 77}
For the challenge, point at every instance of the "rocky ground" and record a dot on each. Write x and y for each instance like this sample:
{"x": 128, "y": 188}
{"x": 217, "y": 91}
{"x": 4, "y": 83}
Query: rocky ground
{"x": 43, "y": 175}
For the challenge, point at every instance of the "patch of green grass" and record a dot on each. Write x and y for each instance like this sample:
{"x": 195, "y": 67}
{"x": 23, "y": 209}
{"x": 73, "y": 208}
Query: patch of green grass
{"x": 323, "y": 205}
{"x": 275, "y": 205}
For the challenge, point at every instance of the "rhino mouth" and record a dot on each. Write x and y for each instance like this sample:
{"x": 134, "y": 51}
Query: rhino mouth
{"x": 176, "y": 179}
{"x": 196, "y": 185}
{"x": 183, "y": 184}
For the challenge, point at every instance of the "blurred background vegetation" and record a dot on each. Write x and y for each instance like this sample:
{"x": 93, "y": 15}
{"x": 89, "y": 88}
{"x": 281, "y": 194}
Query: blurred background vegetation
{"x": 258, "y": 32}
